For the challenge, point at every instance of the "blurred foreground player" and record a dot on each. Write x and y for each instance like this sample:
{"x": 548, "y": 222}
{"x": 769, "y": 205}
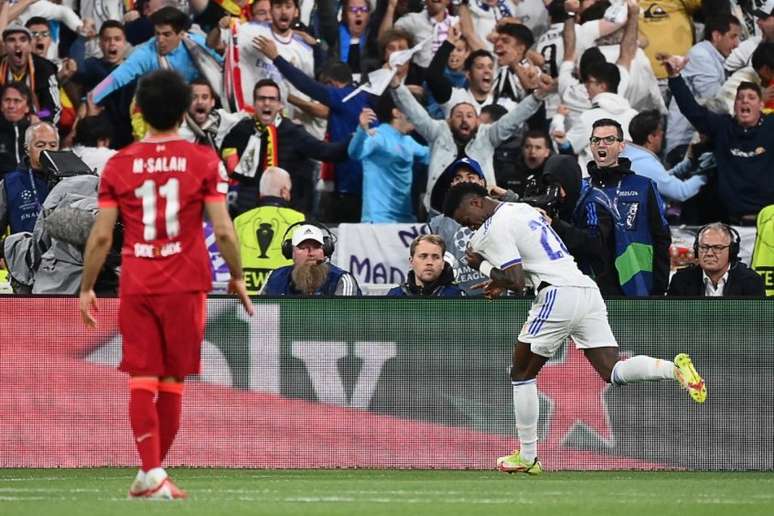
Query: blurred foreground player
{"x": 161, "y": 187}
{"x": 513, "y": 244}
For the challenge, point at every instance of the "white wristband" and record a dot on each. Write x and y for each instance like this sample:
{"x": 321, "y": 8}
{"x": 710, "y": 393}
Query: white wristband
{"x": 486, "y": 268}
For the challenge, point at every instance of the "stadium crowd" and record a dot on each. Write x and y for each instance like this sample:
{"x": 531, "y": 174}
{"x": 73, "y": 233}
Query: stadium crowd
{"x": 616, "y": 118}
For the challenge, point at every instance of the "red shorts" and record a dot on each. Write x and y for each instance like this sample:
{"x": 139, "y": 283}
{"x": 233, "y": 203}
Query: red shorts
{"x": 162, "y": 334}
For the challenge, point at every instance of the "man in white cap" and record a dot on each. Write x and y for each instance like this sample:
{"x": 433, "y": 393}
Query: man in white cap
{"x": 311, "y": 274}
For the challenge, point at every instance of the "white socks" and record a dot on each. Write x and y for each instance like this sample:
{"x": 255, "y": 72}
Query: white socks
{"x": 525, "y": 407}
{"x": 642, "y": 369}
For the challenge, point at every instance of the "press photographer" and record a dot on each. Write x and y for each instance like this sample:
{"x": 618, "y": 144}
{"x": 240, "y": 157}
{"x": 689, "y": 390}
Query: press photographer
{"x": 49, "y": 260}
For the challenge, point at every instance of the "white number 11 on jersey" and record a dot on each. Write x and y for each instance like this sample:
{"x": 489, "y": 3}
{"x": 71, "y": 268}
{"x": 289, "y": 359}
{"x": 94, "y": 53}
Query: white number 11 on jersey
{"x": 171, "y": 192}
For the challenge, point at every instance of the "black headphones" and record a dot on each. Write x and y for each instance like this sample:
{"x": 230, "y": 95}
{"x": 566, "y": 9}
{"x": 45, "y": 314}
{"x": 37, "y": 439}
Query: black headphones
{"x": 328, "y": 246}
{"x": 733, "y": 249}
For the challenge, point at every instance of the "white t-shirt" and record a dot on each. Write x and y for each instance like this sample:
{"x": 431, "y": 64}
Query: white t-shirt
{"x": 532, "y": 13}
{"x": 421, "y": 26}
{"x": 517, "y": 233}
{"x": 254, "y": 66}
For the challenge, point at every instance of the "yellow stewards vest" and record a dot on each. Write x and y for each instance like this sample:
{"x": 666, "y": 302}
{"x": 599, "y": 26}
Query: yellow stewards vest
{"x": 260, "y": 233}
{"x": 763, "y": 254}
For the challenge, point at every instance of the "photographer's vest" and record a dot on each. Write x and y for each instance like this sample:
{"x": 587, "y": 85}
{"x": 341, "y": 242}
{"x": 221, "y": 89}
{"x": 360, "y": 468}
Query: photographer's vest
{"x": 25, "y": 192}
{"x": 628, "y": 204}
{"x": 260, "y": 233}
{"x": 280, "y": 282}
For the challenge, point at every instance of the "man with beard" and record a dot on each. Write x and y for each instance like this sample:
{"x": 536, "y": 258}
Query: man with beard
{"x": 460, "y": 135}
{"x": 430, "y": 274}
{"x": 311, "y": 273}
{"x": 39, "y": 74}
{"x": 269, "y": 139}
{"x": 203, "y": 123}
{"x": 112, "y": 43}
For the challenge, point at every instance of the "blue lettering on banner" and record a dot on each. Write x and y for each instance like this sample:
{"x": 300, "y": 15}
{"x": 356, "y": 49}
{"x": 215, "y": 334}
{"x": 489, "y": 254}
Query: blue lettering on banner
{"x": 408, "y": 235}
{"x": 376, "y": 273}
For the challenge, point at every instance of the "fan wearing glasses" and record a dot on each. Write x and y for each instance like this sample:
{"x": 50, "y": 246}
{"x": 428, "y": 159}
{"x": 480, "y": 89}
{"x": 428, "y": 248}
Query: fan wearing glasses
{"x": 638, "y": 247}
{"x": 718, "y": 271}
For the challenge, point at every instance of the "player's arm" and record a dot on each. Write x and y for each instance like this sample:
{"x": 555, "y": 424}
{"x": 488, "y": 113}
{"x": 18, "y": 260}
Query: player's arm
{"x": 510, "y": 277}
{"x": 97, "y": 248}
{"x": 229, "y": 249}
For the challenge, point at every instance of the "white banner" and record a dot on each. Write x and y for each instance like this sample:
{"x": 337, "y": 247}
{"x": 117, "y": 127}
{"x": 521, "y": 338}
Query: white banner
{"x": 376, "y": 253}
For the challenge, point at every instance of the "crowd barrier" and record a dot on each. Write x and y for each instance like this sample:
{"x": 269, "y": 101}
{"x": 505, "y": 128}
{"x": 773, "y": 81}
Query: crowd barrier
{"x": 391, "y": 383}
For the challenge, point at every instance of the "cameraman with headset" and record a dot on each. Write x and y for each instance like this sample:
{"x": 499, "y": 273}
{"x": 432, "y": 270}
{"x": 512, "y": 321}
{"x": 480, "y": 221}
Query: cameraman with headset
{"x": 310, "y": 248}
{"x": 718, "y": 271}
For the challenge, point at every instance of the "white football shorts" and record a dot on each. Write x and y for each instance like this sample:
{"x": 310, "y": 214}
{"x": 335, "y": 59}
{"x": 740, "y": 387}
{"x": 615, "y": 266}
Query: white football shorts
{"x": 561, "y": 312}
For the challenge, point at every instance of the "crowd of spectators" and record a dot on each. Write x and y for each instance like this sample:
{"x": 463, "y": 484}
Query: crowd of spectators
{"x": 619, "y": 118}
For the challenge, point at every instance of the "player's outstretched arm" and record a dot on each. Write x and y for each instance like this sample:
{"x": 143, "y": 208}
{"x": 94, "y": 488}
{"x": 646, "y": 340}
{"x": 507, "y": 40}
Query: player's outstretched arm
{"x": 97, "y": 248}
{"x": 229, "y": 249}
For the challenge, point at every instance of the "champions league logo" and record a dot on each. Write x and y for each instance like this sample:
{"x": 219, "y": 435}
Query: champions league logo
{"x": 27, "y": 196}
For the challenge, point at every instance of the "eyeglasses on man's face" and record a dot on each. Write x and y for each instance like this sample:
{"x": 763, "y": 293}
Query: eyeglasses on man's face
{"x": 358, "y": 9}
{"x": 40, "y": 34}
{"x": 609, "y": 140}
{"x": 703, "y": 248}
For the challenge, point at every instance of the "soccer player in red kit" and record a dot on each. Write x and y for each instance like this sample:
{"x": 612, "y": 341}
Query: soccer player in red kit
{"x": 161, "y": 187}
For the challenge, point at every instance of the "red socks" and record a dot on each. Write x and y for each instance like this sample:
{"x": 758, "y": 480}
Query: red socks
{"x": 145, "y": 420}
{"x": 169, "y": 406}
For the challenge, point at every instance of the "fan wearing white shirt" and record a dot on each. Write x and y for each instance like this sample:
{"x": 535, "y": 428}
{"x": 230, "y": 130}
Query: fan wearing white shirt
{"x": 255, "y": 66}
{"x": 514, "y": 245}
{"x": 433, "y": 22}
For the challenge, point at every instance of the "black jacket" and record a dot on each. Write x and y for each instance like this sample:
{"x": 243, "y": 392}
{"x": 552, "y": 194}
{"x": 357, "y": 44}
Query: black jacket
{"x": 46, "y": 87}
{"x": 590, "y": 240}
{"x": 742, "y": 281}
{"x": 295, "y": 150}
{"x": 444, "y": 286}
{"x": 11, "y": 144}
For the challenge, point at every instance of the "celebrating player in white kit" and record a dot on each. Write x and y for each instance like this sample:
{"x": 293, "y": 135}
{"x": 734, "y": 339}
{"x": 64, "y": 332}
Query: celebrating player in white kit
{"x": 514, "y": 246}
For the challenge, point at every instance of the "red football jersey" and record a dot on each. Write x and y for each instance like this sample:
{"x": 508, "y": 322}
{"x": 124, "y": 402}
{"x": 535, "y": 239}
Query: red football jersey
{"x": 160, "y": 187}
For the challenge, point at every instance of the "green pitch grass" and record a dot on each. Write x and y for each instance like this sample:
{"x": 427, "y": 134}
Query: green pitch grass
{"x": 213, "y": 492}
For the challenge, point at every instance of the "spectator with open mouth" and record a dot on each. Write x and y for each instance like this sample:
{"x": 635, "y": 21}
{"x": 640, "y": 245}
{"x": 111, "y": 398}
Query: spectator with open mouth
{"x": 39, "y": 74}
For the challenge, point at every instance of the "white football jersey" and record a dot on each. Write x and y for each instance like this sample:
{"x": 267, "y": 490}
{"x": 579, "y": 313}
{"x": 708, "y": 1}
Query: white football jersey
{"x": 255, "y": 66}
{"x": 517, "y": 233}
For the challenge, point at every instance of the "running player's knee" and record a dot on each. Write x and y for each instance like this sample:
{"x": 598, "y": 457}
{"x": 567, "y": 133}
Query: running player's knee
{"x": 519, "y": 374}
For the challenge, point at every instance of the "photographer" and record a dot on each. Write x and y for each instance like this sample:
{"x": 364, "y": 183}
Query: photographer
{"x": 586, "y": 229}
{"x": 23, "y": 191}
{"x": 50, "y": 259}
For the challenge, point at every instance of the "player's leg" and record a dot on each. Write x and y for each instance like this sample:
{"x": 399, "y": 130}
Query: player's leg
{"x": 169, "y": 406}
{"x": 593, "y": 334}
{"x": 141, "y": 358}
{"x": 544, "y": 332}
{"x": 526, "y": 403}
{"x": 145, "y": 428}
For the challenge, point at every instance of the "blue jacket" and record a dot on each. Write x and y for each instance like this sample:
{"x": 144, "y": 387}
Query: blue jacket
{"x": 342, "y": 120}
{"x": 444, "y": 286}
{"x": 744, "y": 156}
{"x": 669, "y": 185}
{"x": 145, "y": 59}
{"x": 280, "y": 283}
{"x": 388, "y": 158}
{"x": 642, "y": 236}
{"x": 24, "y": 192}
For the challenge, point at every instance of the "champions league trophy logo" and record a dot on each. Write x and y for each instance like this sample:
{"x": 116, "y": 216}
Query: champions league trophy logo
{"x": 264, "y": 236}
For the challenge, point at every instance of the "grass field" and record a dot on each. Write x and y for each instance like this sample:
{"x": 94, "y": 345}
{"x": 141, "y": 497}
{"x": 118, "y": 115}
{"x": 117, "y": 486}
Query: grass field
{"x": 102, "y": 491}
